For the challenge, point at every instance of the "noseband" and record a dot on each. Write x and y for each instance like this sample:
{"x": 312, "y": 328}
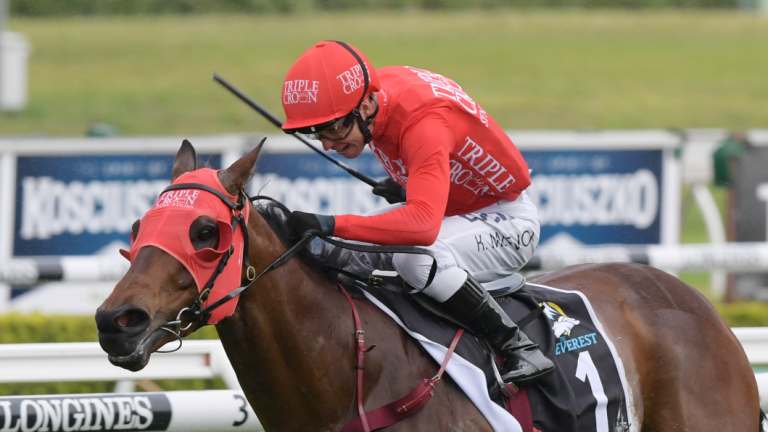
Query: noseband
{"x": 196, "y": 313}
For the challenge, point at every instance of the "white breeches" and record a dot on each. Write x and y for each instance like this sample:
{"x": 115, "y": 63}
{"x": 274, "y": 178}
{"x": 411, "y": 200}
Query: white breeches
{"x": 489, "y": 244}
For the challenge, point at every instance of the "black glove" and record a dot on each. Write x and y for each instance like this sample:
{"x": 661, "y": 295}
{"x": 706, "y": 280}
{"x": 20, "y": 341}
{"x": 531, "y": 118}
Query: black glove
{"x": 390, "y": 190}
{"x": 301, "y": 223}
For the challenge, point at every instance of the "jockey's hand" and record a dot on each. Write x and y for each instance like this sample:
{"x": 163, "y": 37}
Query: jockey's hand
{"x": 301, "y": 223}
{"x": 390, "y": 190}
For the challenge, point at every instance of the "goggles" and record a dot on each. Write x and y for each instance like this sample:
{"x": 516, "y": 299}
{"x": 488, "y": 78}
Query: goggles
{"x": 334, "y": 130}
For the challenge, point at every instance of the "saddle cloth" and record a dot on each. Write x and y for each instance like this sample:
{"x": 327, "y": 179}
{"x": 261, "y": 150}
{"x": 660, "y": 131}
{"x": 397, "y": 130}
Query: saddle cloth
{"x": 586, "y": 392}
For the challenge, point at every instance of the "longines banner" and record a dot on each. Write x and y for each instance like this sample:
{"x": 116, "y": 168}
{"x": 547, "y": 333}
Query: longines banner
{"x": 176, "y": 411}
{"x": 137, "y": 412}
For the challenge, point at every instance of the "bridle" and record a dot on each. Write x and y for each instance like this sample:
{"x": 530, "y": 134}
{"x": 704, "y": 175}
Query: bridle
{"x": 197, "y": 312}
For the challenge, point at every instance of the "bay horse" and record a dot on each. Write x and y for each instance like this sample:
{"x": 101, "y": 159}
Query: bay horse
{"x": 290, "y": 337}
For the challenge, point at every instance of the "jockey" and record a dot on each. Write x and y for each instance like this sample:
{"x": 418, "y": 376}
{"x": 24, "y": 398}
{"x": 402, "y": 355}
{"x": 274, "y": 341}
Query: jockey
{"x": 464, "y": 183}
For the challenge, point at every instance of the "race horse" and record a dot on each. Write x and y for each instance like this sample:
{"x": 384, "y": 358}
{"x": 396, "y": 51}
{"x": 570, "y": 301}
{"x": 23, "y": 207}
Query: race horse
{"x": 290, "y": 336}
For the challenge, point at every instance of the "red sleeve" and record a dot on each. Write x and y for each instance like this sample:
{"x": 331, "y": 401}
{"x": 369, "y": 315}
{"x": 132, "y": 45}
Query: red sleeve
{"x": 425, "y": 148}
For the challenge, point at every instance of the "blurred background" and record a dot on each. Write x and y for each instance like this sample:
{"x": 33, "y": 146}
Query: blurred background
{"x": 658, "y": 109}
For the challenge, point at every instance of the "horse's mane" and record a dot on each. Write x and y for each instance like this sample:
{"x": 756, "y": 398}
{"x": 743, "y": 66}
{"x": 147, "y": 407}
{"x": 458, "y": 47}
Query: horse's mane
{"x": 276, "y": 214}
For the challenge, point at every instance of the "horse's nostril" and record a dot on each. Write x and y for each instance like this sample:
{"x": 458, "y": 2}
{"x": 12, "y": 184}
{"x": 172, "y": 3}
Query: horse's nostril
{"x": 131, "y": 318}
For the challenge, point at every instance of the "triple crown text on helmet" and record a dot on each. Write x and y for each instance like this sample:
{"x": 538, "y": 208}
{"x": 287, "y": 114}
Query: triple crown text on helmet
{"x": 300, "y": 91}
{"x": 327, "y": 82}
{"x": 351, "y": 79}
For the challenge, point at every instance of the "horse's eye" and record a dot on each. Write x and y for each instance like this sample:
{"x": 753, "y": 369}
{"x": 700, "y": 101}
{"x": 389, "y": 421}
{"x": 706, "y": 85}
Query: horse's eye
{"x": 204, "y": 233}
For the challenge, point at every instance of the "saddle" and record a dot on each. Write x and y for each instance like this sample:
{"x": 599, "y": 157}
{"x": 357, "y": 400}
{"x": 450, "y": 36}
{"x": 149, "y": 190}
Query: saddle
{"x": 559, "y": 321}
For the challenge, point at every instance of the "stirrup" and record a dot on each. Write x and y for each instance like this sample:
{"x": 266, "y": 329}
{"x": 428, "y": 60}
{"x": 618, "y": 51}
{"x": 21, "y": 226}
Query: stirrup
{"x": 507, "y": 389}
{"x": 538, "y": 366}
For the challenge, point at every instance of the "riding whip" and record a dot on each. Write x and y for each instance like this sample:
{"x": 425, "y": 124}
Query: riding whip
{"x": 275, "y": 121}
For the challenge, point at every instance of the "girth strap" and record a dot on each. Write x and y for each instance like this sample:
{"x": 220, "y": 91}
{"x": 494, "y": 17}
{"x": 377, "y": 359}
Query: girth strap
{"x": 396, "y": 411}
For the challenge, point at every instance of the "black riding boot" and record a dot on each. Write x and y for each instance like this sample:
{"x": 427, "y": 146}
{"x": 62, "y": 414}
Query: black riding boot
{"x": 472, "y": 306}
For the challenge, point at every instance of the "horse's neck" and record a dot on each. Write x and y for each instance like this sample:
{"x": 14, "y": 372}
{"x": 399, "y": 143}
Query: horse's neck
{"x": 291, "y": 331}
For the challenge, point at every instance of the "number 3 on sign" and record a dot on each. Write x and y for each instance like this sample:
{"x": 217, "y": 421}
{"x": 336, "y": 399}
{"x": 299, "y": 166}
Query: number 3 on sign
{"x": 586, "y": 371}
{"x": 243, "y": 409}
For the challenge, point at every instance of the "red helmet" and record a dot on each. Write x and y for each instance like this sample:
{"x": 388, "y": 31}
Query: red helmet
{"x": 327, "y": 82}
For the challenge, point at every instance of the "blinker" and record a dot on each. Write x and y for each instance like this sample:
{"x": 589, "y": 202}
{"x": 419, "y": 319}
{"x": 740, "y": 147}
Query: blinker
{"x": 225, "y": 241}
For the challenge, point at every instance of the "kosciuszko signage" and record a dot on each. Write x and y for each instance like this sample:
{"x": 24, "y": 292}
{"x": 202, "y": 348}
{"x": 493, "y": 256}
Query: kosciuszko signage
{"x": 139, "y": 412}
{"x": 75, "y": 205}
{"x": 590, "y": 188}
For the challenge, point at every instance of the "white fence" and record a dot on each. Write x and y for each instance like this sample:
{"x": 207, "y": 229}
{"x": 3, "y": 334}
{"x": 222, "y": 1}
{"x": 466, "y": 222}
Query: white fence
{"x": 206, "y": 359}
{"x": 734, "y": 257}
{"x": 86, "y": 361}
{"x": 173, "y": 411}
{"x": 755, "y": 343}
{"x": 32, "y": 171}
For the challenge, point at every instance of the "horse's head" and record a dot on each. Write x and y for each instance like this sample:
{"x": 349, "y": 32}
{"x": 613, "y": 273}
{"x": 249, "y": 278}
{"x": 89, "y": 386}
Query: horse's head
{"x": 190, "y": 239}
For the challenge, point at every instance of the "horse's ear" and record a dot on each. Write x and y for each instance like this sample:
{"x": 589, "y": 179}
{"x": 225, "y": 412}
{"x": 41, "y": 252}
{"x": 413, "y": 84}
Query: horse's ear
{"x": 186, "y": 160}
{"x": 237, "y": 175}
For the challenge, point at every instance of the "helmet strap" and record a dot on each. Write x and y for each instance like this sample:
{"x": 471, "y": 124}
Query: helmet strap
{"x": 364, "y": 124}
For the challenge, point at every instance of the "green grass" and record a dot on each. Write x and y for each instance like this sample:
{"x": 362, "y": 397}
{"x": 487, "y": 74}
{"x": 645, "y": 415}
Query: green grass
{"x": 566, "y": 69}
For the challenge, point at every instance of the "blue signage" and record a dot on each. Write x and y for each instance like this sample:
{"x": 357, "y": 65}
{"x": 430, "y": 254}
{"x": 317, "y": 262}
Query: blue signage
{"x": 77, "y": 205}
{"x": 599, "y": 196}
